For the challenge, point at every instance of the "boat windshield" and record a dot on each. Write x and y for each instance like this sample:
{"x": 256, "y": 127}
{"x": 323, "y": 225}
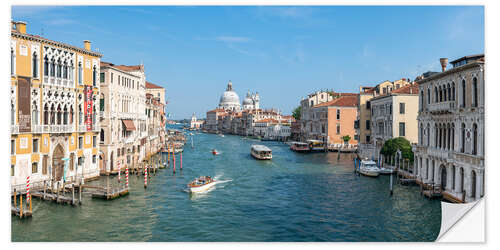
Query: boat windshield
{"x": 370, "y": 165}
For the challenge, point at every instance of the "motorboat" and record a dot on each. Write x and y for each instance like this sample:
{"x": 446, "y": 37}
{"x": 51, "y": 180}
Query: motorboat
{"x": 201, "y": 183}
{"x": 383, "y": 170}
{"x": 215, "y": 152}
{"x": 368, "y": 168}
{"x": 316, "y": 145}
{"x": 299, "y": 147}
{"x": 261, "y": 152}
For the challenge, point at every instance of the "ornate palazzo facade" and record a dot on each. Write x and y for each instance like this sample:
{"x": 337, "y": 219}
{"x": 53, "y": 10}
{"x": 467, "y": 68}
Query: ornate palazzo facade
{"x": 54, "y": 88}
{"x": 450, "y": 150}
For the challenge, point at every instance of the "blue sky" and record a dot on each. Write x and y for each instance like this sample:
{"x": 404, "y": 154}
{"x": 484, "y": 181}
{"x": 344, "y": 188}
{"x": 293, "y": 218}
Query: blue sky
{"x": 284, "y": 53}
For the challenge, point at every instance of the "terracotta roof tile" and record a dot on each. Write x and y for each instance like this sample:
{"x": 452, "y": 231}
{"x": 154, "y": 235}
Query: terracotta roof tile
{"x": 343, "y": 101}
{"x": 407, "y": 89}
{"x": 150, "y": 85}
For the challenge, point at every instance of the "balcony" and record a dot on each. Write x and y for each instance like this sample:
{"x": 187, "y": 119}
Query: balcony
{"x": 442, "y": 107}
{"x": 54, "y": 128}
{"x": 37, "y": 129}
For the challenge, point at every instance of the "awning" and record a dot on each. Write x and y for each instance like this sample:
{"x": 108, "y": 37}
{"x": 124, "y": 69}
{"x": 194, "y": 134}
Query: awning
{"x": 129, "y": 124}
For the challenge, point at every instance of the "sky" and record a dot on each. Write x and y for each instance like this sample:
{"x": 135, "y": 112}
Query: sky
{"x": 282, "y": 52}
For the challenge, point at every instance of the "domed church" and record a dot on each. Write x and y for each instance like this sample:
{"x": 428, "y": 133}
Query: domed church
{"x": 251, "y": 101}
{"x": 229, "y": 99}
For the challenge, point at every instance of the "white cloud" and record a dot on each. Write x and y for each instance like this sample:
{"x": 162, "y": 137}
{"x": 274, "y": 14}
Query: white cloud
{"x": 232, "y": 39}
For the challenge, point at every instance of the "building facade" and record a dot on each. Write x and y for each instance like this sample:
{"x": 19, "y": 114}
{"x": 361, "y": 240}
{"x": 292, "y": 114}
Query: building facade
{"x": 395, "y": 115}
{"x": 122, "y": 116}
{"x": 54, "y": 88}
{"x": 450, "y": 150}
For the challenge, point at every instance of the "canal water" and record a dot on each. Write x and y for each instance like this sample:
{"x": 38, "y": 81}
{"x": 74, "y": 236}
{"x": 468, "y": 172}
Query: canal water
{"x": 293, "y": 197}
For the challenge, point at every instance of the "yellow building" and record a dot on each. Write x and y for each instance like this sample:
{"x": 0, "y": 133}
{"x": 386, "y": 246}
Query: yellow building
{"x": 54, "y": 130}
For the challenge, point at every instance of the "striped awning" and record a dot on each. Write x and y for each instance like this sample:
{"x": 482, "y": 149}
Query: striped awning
{"x": 129, "y": 124}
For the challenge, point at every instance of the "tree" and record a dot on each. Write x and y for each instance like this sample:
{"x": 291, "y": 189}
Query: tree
{"x": 391, "y": 146}
{"x": 297, "y": 112}
{"x": 346, "y": 138}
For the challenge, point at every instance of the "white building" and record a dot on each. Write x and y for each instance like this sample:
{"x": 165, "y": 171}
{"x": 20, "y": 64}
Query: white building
{"x": 450, "y": 150}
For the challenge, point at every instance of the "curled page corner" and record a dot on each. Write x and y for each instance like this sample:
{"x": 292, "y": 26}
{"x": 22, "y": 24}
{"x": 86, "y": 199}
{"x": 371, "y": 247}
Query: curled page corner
{"x": 451, "y": 214}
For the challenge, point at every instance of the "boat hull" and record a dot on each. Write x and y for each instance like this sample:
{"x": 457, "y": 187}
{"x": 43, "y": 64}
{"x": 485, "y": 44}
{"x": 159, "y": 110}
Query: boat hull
{"x": 258, "y": 157}
{"x": 369, "y": 173}
{"x": 202, "y": 188}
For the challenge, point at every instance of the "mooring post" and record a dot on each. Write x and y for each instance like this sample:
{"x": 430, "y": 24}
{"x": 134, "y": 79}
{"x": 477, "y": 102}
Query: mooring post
{"x": 181, "y": 160}
{"x": 57, "y": 199}
{"x": 44, "y": 188}
{"x": 173, "y": 157}
{"x": 390, "y": 185}
{"x": 30, "y": 202}
{"x": 15, "y": 198}
{"x": 73, "y": 195}
{"x": 21, "y": 206}
{"x": 80, "y": 187}
{"x": 145, "y": 176}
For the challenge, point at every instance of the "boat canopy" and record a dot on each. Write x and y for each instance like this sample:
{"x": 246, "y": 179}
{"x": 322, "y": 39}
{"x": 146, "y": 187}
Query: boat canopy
{"x": 300, "y": 143}
{"x": 261, "y": 148}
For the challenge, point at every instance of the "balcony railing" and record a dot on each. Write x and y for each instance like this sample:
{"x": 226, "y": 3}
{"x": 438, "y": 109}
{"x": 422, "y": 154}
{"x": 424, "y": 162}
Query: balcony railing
{"x": 441, "y": 107}
{"x": 37, "y": 128}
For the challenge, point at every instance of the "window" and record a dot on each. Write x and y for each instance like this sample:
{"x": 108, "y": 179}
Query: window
{"x": 367, "y": 138}
{"x": 474, "y": 145}
{"x": 45, "y": 164}
{"x": 462, "y": 101}
{"x": 338, "y": 128}
{"x": 45, "y": 66}
{"x": 65, "y": 70}
{"x": 72, "y": 162}
{"x": 401, "y": 107}
{"x": 367, "y": 124}
{"x": 428, "y": 96}
{"x": 453, "y": 91}
{"x": 94, "y": 159}
{"x": 401, "y": 129}
{"x": 397, "y": 86}
{"x": 94, "y": 141}
{"x": 80, "y": 73}
{"x": 59, "y": 68}
{"x": 80, "y": 161}
{"x": 34, "y": 167}
{"x": 384, "y": 90}
{"x": 12, "y": 62}
{"x": 474, "y": 92}
{"x": 80, "y": 142}
{"x": 111, "y": 78}
{"x": 338, "y": 114}
{"x": 35, "y": 145}
{"x": 12, "y": 147}
{"x": 94, "y": 76}
{"x": 52, "y": 68}
{"x": 368, "y": 105}
{"x": 12, "y": 167}
{"x": 312, "y": 103}
{"x": 436, "y": 96}
{"x": 35, "y": 65}
{"x": 462, "y": 148}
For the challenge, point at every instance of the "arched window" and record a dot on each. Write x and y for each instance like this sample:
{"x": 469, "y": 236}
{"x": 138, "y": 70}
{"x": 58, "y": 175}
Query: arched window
{"x": 59, "y": 68}
{"x": 52, "y": 115}
{"x": 474, "y": 92}
{"x": 46, "y": 66}
{"x": 94, "y": 76}
{"x": 421, "y": 100}
{"x": 12, "y": 114}
{"x": 428, "y": 96}
{"x": 65, "y": 115}
{"x": 421, "y": 135}
{"x": 440, "y": 94}
{"x": 453, "y": 91}
{"x": 474, "y": 144}
{"x": 462, "y": 148}
{"x": 65, "y": 70}
{"x": 52, "y": 68}
{"x": 71, "y": 115}
{"x": 59, "y": 112}
{"x": 46, "y": 115}
{"x": 102, "y": 135}
{"x": 428, "y": 135}
{"x": 448, "y": 136}
{"x": 34, "y": 114}
{"x": 453, "y": 136}
{"x": 80, "y": 115}
{"x": 449, "y": 92}
{"x": 462, "y": 98}
{"x": 436, "y": 135}
{"x": 35, "y": 65}
{"x": 80, "y": 73}
{"x": 12, "y": 62}
{"x": 436, "y": 95}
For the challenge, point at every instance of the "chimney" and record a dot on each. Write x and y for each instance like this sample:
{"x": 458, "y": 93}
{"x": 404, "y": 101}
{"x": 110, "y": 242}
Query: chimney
{"x": 19, "y": 26}
{"x": 86, "y": 44}
{"x": 444, "y": 62}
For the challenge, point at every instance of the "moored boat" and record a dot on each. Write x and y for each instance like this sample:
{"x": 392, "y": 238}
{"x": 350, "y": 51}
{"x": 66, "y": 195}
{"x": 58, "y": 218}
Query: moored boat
{"x": 261, "y": 152}
{"x": 299, "y": 147}
{"x": 368, "y": 168}
{"x": 201, "y": 183}
{"x": 316, "y": 145}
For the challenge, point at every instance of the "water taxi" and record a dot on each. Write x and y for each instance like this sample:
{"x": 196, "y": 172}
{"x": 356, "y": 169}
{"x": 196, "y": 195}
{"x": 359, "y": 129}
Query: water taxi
{"x": 201, "y": 183}
{"x": 368, "y": 168}
{"x": 316, "y": 145}
{"x": 261, "y": 152}
{"x": 299, "y": 147}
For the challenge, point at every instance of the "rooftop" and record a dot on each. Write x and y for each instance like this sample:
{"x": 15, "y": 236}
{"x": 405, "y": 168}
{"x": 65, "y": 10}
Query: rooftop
{"x": 150, "y": 85}
{"x": 350, "y": 100}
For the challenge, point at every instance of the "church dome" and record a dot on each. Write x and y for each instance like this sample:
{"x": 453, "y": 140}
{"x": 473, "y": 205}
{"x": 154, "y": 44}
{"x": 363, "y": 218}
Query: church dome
{"x": 229, "y": 98}
{"x": 248, "y": 100}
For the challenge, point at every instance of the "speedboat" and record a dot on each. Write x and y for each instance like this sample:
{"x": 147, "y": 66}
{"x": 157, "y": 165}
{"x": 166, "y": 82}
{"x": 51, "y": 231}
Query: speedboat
{"x": 369, "y": 168}
{"x": 215, "y": 152}
{"x": 201, "y": 183}
{"x": 261, "y": 152}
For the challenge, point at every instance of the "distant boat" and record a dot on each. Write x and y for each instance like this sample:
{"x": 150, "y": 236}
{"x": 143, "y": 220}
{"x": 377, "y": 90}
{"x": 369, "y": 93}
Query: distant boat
{"x": 261, "y": 152}
{"x": 316, "y": 145}
{"x": 215, "y": 152}
{"x": 299, "y": 147}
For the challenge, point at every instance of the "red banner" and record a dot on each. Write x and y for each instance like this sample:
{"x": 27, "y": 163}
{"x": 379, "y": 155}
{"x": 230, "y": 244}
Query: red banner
{"x": 88, "y": 107}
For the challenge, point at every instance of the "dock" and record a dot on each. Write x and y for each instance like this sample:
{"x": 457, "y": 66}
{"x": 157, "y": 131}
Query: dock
{"x": 109, "y": 193}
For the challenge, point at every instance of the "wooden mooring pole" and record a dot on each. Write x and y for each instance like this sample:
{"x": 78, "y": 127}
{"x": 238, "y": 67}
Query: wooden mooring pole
{"x": 390, "y": 186}
{"x": 15, "y": 198}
